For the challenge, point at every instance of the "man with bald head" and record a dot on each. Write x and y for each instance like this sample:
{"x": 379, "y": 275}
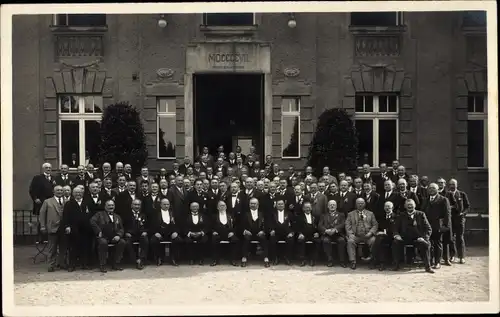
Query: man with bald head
{"x": 345, "y": 199}
{"x": 119, "y": 171}
{"x": 41, "y": 187}
{"x": 360, "y": 226}
{"x": 196, "y": 229}
{"x": 50, "y": 223}
{"x": 459, "y": 203}
{"x": 105, "y": 171}
{"x": 438, "y": 211}
{"x": 63, "y": 178}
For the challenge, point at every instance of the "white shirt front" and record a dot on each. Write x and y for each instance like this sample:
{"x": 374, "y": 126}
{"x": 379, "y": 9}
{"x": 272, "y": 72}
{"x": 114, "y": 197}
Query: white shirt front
{"x": 223, "y": 217}
{"x": 255, "y": 214}
{"x": 132, "y": 196}
{"x": 195, "y": 218}
{"x": 413, "y": 189}
{"x": 433, "y": 197}
{"x": 298, "y": 198}
{"x": 165, "y": 216}
{"x": 233, "y": 200}
{"x": 164, "y": 192}
{"x": 79, "y": 202}
{"x": 281, "y": 216}
{"x": 153, "y": 197}
{"x": 308, "y": 218}
{"x": 111, "y": 217}
{"x": 387, "y": 194}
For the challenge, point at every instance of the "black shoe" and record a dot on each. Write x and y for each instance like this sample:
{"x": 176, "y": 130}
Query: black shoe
{"x": 276, "y": 261}
{"x": 214, "y": 263}
{"x": 447, "y": 263}
{"x": 312, "y": 263}
{"x": 372, "y": 266}
{"x": 85, "y": 267}
{"x": 288, "y": 262}
{"x": 437, "y": 266}
{"x": 429, "y": 270}
{"x": 329, "y": 264}
{"x": 191, "y": 262}
{"x": 233, "y": 263}
{"x": 342, "y": 264}
{"x": 117, "y": 268}
{"x": 462, "y": 261}
{"x": 243, "y": 263}
{"x": 200, "y": 262}
{"x": 303, "y": 263}
{"x": 381, "y": 267}
{"x": 396, "y": 267}
{"x": 51, "y": 269}
{"x": 174, "y": 263}
{"x": 353, "y": 265}
{"x": 102, "y": 269}
{"x": 71, "y": 269}
{"x": 139, "y": 265}
{"x": 266, "y": 264}
{"x": 452, "y": 258}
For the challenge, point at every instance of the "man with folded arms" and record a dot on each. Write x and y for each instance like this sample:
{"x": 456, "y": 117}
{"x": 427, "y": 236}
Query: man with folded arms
{"x": 360, "y": 226}
{"x": 135, "y": 231}
{"x": 163, "y": 226}
{"x": 332, "y": 229}
{"x": 307, "y": 230}
{"x": 197, "y": 225}
{"x": 223, "y": 230}
{"x": 412, "y": 228}
{"x": 108, "y": 227}
{"x": 384, "y": 237}
{"x": 253, "y": 228}
{"x": 280, "y": 228}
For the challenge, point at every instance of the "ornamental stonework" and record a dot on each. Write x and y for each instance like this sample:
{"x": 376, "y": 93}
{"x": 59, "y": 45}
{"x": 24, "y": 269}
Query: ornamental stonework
{"x": 377, "y": 46}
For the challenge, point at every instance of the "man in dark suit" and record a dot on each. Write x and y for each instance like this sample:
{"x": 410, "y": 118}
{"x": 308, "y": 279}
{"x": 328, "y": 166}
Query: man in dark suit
{"x": 404, "y": 194}
{"x": 332, "y": 229}
{"x": 205, "y": 155}
{"x": 50, "y": 223}
{"x": 235, "y": 203}
{"x": 106, "y": 171}
{"x": 400, "y": 174}
{"x": 161, "y": 175}
{"x": 177, "y": 197}
{"x": 64, "y": 179}
{"x": 239, "y": 154}
{"x": 198, "y": 196}
{"x": 380, "y": 178}
{"x": 95, "y": 199}
{"x": 108, "y": 227}
{"x": 280, "y": 228}
{"x": 152, "y": 201}
{"x": 389, "y": 195}
{"x": 184, "y": 167}
{"x": 346, "y": 201}
{"x": 41, "y": 187}
{"x": 121, "y": 185}
{"x": 124, "y": 199}
{"x": 107, "y": 193}
{"x": 175, "y": 170}
{"x": 411, "y": 227}
{"x": 318, "y": 201}
{"x": 213, "y": 197}
{"x": 392, "y": 174}
{"x": 76, "y": 223}
{"x": 417, "y": 190}
{"x": 366, "y": 176}
{"x": 197, "y": 226}
{"x": 127, "y": 171}
{"x": 306, "y": 228}
{"x": 384, "y": 237}
{"x": 358, "y": 187}
{"x": 251, "y": 192}
{"x": 134, "y": 224}
{"x": 438, "y": 212}
{"x": 119, "y": 171}
{"x": 441, "y": 182}
{"x": 145, "y": 177}
{"x": 81, "y": 177}
{"x": 371, "y": 198}
{"x": 253, "y": 228}
{"x": 223, "y": 229}
{"x": 459, "y": 203}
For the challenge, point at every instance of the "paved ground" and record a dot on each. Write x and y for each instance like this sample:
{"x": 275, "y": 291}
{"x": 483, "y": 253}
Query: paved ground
{"x": 254, "y": 284}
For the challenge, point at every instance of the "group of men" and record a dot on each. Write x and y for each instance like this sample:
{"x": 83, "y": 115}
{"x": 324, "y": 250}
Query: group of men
{"x": 235, "y": 201}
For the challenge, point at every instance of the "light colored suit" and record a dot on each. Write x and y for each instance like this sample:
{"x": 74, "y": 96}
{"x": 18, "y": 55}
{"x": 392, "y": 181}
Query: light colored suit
{"x": 319, "y": 204}
{"x": 353, "y": 237}
{"x": 51, "y": 214}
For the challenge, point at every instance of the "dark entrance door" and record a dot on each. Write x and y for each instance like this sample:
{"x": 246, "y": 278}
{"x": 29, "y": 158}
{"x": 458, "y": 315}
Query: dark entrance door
{"x": 228, "y": 106}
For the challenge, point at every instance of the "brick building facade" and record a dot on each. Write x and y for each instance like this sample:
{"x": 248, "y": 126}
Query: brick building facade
{"x": 414, "y": 82}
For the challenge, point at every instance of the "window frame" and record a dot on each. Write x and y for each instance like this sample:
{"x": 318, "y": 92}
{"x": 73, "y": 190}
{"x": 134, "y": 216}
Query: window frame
{"x": 479, "y": 116}
{"x": 399, "y": 20}
{"x": 167, "y": 114}
{"x": 376, "y": 116}
{"x": 55, "y": 16}
{"x": 203, "y": 19}
{"x": 290, "y": 114}
{"x": 81, "y": 117}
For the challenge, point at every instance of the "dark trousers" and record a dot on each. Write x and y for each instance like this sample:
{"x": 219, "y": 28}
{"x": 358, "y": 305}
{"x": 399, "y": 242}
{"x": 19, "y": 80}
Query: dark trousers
{"x": 158, "y": 249}
{"x": 423, "y": 248}
{"x": 196, "y": 250}
{"x": 80, "y": 247}
{"x": 301, "y": 247}
{"x": 457, "y": 243}
{"x": 215, "y": 245}
{"x": 245, "y": 244}
{"x": 143, "y": 247}
{"x": 57, "y": 241}
{"x": 436, "y": 246}
{"x": 102, "y": 249}
{"x": 273, "y": 244}
{"x": 382, "y": 248}
{"x": 341, "y": 246}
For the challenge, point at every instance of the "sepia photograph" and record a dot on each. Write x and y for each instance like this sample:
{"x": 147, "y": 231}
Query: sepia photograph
{"x": 250, "y": 158}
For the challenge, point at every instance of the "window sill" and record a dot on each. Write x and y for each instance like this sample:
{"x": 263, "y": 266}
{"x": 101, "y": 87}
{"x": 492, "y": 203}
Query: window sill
{"x": 474, "y": 30}
{"x": 57, "y": 29}
{"x": 166, "y": 158}
{"x": 477, "y": 169}
{"x": 377, "y": 30}
{"x": 291, "y": 158}
{"x": 228, "y": 30}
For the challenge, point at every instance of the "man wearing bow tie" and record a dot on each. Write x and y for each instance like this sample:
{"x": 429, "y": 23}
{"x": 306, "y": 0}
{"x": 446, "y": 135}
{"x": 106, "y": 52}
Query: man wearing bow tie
{"x": 41, "y": 187}
{"x": 438, "y": 211}
{"x": 307, "y": 230}
{"x": 294, "y": 202}
{"x": 94, "y": 201}
{"x": 332, "y": 229}
{"x": 405, "y": 194}
{"x": 223, "y": 229}
{"x": 213, "y": 196}
{"x": 389, "y": 194}
{"x": 251, "y": 192}
{"x": 239, "y": 154}
{"x": 50, "y": 222}
{"x": 269, "y": 200}
{"x": 235, "y": 203}
{"x": 76, "y": 224}
{"x": 411, "y": 227}
{"x": 459, "y": 203}
{"x": 63, "y": 178}
{"x": 280, "y": 228}
{"x": 163, "y": 226}
{"x": 151, "y": 202}
{"x": 345, "y": 199}
{"x": 360, "y": 226}
{"x": 107, "y": 226}
{"x": 198, "y": 196}
{"x": 253, "y": 228}
{"x": 145, "y": 177}
{"x": 121, "y": 185}
{"x": 164, "y": 188}
{"x": 358, "y": 187}
{"x": 196, "y": 228}
{"x": 383, "y": 237}
{"x": 134, "y": 224}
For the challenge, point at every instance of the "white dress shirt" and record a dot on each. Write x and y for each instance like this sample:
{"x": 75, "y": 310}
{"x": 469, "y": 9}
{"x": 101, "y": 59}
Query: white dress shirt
{"x": 165, "y": 216}
{"x": 132, "y": 196}
{"x": 223, "y": 217}
{"x": 233, "y": 200}
{"x": 432, "y": 197}
{"x": 195, "y": 218}
{"x": 387, "y": 194}
{"x": 308, "y": 218}
{"x": 255, "y": 214}
{"x": 79, "y": 202}
{"x": 153, "y": 197}
{"x": 111, "y": 217}
{"x": 281, "y": 216}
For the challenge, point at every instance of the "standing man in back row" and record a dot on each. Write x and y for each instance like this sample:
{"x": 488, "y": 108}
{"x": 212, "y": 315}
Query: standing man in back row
{"x": 459, "y": 203}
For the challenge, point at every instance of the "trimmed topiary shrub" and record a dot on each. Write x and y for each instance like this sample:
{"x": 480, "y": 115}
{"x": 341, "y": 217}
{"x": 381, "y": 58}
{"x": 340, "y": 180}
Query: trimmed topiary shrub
{"x": 334, "y": 144}
{"x": 122, "y": 137}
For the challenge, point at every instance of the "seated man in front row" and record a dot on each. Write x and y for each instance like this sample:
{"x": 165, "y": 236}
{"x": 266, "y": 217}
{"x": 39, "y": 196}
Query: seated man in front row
{"x": 108, "y": 227}
{"x": 332, "y": 228}
{"x": 360, "y": 226}
{"x": 134, "y": 223}
{"x": 413, "y": 228}
{"x": 253, "y": 227}
{"x": 384, "y": 237}
{"x": 197, "y": 226}
{"x": 307, "y": 230}
{"x": 280, "y": 228}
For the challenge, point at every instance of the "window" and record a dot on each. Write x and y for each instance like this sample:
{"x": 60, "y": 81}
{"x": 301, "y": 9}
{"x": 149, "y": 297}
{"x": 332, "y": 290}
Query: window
{"x": 376, "y": 18}
{"x": 228, "y": 19}
{"x": 79, "y": 129}
{"x": 474, "y": 18}
{"x": 290, "y": 127}
{"x": 477, "y": 131}
{"x": 80, "y": 19}
{"x": 376, "y": 121}
{"x": 166, "y": 122}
